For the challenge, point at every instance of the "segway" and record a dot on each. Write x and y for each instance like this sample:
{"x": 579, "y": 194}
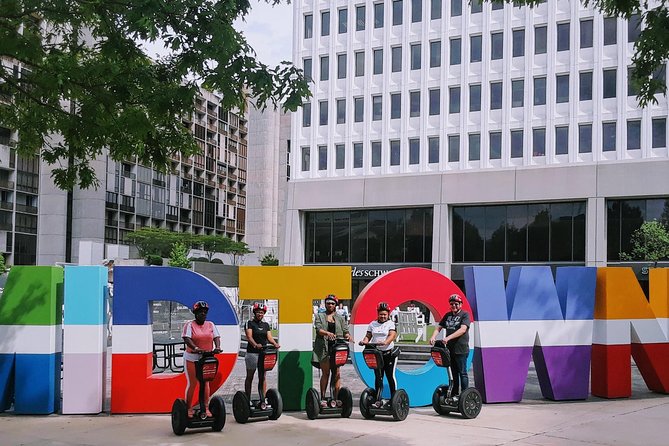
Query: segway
{"x": 205, "y": 369}
{"x": 468, "y": 403}
{"x": 342, "y": 402}
{"x": 371, "y": 401}
{"x": 270, "y": 405}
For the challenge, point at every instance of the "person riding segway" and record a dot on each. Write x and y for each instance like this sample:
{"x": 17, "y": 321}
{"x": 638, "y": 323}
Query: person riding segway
{"x": 261, "y": 356}
{"x": 452, "y": 353}
{"x": 381, "y": 355}
{"x": 331, "y": 352}
{"x": 201, "y": 367}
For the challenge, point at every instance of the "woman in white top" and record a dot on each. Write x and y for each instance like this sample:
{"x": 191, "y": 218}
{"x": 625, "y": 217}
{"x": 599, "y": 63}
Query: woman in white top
{"x": 382, "y": 333}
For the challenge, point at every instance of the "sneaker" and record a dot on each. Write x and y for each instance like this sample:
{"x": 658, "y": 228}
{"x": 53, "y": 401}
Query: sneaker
{"x": 378, "y": 404}
{"x": 191, "y": 413}
{"x": 324, "y": 403}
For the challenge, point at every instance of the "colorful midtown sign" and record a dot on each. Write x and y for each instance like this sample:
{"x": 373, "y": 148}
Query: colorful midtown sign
{"x": 580, "y": 328}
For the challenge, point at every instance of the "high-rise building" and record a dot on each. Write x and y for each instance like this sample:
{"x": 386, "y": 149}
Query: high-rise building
{"x": 443, "y": 133}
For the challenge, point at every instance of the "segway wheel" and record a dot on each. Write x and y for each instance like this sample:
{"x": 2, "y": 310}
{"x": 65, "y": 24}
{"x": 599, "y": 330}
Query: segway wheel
{"x": 346, "y": 399}
{"x": 399, "y": 404}
{"x": 179, "y": 417}
{"x": 217, "y": 409}
{"x": 275, "y": 400}
{"x": 470, "y": 403}
{"x": 313, "y": 404}
{"x": 365, "y": 402}
{"x": 240, "y": 407}
{"x": 436, "y": 400}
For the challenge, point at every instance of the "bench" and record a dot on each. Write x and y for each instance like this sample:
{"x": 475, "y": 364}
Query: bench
{"x": 412, "y": 325}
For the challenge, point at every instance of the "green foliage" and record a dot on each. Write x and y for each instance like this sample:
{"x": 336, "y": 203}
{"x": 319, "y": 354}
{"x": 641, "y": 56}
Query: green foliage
{"x": 238, "y": 250}
{"x": 269, "y": 260}
{"x": 651, "y": 50}
{"x": 153, "y": 259}
{"x": 212, "y": 244}
{"x": 179, "y": 256}
{"x": 157, "y": 241}
{"x": 3, "y": 265}
{"x": 650, "y": 243}
{"x": 88, "y": 56}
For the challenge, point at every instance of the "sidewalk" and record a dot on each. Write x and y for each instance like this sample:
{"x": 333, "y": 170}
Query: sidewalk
{"x": 638, "y": 420}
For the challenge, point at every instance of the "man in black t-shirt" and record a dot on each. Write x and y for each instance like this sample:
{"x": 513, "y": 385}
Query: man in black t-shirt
{"x": 456, "y": 322}
{"x": 258, "y": 334}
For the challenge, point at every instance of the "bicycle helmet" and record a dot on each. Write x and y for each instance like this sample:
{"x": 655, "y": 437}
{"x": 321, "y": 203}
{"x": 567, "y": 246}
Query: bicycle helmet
{"x": 383, "y": 306}
{"x": 333, "y": 298}
{"x": 259, "y": 307}
{"x": 455, "y": 298}
{"x": 200, "y": 305}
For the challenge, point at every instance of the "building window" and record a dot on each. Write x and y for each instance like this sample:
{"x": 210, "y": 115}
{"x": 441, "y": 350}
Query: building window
{"x": 377, "y": 107}
{"x": 395, "y": 105}
{"x": 435, "y": 9}
{"x": 359, "y": 63}
{"x": 378, "y": 15}
{"x": 358, "y": 109}
{"x": 414, "y": 151}
{"x": 325, "y": 23}
{"x": 305, "y": 158}
{"x": 475, "y": 98}
{"x": 454, "y": 54}
{"x": 497, "y": 4}
{"x": 414, "y": 104}
{"x": 561, "y": 140}
{"x": 322, "y": 158}
{"x": 340, "y": 156}
{"x": 497, "y": 45}
{"x": 495, "y": 145}
{"x": 585, "y": 86}
{"x": 453, "y": 148}
{"x": 454, "y": 99}
{"x": 633, "y": 27}
{"x": 308, "y": 69}
{"x": 586, "y": 33}
{"x": 378, "y": 61}
{"x": 341, "y": 111}
{"x": 563, "y": 37}
{"x": 562, "y": 88}
{"x": 325, "y": 68}
{"x": 341, "y": 66}
{"x": 434, "y": 101}
{"x": 495, "y": 95}
{"x": 308, "y": 26}
{"x": 634, "y": 135}
{"x": 584, "y": 138}
{"x": 477, "y": 6}
{"x": 396, "y": 59}
{"x": 659, "y": 127}
{"x": 360, "y": 18}
{"x": 632, "y": 86}
{"x": 435, "y": 53}
{"x": 416, "y": 11}
{"x": 540, "y": 38}
{"x": 516, "y": 143}
{"x": 376, "y": 153}
{"x": 323, "y": 113}
{"x": 518, "y": 42}
{"x": 610, "y": 30}
{"x": 475, "y": 54}
{"x": 398, "y": 9}
{"x": 433, "y": 149}
{"x": 624, "y": 217}
{"x": 394, "y": 153}
{"x": 474, "y": 146}
{"x": 415, "y": 56}
{"x": 456, "y": 8}
{"x": 539, "y": 142}
{"x": 343, "y": 21}
{"x": 357, "y": 155}
{"x": 539, "y": 91}
{"x": 517, "y": 92}
{"x": 609, "y": 86}
{"x": 306, "y": 114}
{"x": 608, "y": 136}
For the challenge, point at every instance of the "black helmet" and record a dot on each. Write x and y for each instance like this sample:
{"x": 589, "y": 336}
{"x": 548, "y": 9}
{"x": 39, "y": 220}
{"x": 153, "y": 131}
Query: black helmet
{"x": 200, "y": 305}
{"x": 383, "y": 306}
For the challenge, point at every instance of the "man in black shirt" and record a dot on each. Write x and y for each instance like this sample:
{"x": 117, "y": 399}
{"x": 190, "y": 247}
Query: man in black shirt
{"x": 258, "y": 334}
{"x": 456, "y": 322}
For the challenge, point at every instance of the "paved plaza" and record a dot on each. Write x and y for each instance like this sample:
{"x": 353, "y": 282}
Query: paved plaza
{"x": 639, "y": 420}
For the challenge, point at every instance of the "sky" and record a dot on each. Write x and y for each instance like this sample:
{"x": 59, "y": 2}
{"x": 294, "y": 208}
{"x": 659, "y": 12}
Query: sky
{"x": 269, "y": 30}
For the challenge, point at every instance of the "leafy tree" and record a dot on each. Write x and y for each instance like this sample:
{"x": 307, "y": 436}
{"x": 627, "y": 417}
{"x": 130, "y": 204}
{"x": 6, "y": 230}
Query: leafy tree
{"x": 85, "y": 76}
{"x": 179, "y": 256}
{"x": 212, "y": 244}
{"x": 650, "y": 243}
{"x": 237, "y": 251}
{"x": 156, "y": 241}
{"x": 269, "y": 260}
{"x": 3, "y": 265}
{"x": 651, "y": 49}
{"x": 154, "y": 259}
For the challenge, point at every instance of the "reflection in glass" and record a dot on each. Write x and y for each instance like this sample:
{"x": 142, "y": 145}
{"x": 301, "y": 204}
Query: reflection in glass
{"x": 340, "y": 236}
{"x": 377, "y": 236}
{"x": 358, "y": 236}
{"x": 537, "y": 232}
{"x": 516, "y": 233}
{"x": 323, "y": 242}
{"x": 561, "y": 232}
{"x": 495, "y": 217}
{"x": 395, "y": 235}
{"x": 474, "y": 228}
